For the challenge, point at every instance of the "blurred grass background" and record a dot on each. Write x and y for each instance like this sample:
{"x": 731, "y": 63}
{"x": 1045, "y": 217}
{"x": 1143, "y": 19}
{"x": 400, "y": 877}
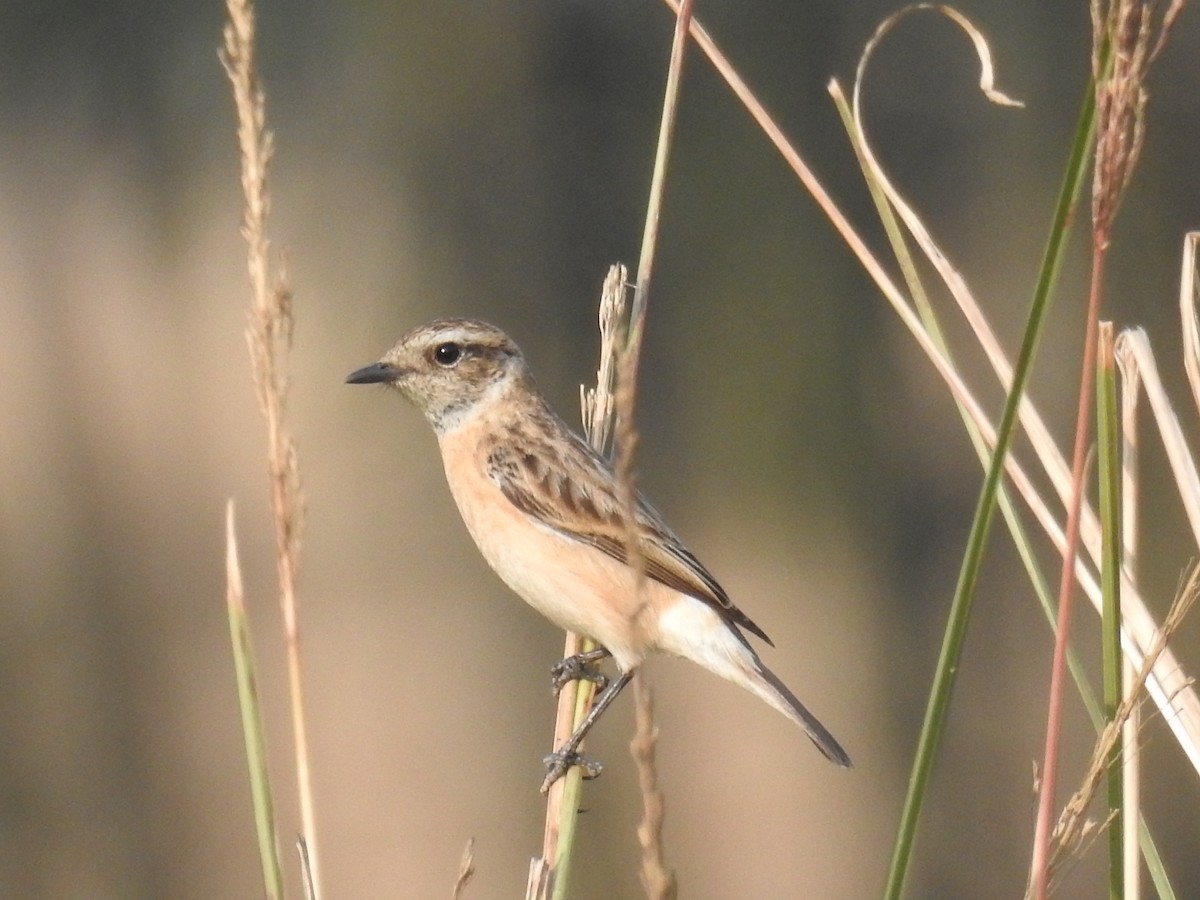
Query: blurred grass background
{"x": 448, "y": 158}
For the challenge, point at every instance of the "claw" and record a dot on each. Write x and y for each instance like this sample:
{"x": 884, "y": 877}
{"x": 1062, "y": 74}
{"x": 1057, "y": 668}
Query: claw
{"x": 558, "y": 763}
{"x": 580, "y": 667}
{"x": 567, "y": 754}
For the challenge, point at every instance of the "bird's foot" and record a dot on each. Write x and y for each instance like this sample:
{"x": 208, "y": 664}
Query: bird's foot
{"x": 580, "y": 667}
{"x": 560, "y": 761}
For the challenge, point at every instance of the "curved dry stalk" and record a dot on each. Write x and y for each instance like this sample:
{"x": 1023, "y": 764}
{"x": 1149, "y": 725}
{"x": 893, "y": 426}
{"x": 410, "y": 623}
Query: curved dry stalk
{"x": 987, "y": 72}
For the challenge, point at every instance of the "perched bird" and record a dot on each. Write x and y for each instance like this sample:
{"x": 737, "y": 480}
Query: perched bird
{"x": 545, "y": 512}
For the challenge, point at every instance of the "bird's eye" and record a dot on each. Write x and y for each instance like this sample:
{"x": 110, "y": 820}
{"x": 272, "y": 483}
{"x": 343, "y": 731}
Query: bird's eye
{"x": 447, "y": 354}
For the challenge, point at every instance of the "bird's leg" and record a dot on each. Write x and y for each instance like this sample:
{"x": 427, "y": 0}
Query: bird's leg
{"x": 579, "y": 668}
{"x": 567, "y": 754}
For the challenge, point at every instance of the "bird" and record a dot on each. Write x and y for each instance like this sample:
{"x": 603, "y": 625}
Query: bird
{"x": 545, "y": 510}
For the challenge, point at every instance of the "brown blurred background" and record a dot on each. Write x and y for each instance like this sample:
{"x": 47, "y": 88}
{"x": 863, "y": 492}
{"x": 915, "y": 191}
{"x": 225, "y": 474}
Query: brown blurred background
{"x": 450, "y": 158}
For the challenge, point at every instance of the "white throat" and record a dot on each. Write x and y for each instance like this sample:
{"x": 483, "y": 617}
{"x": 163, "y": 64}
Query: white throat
{"x": 455, "y": 417}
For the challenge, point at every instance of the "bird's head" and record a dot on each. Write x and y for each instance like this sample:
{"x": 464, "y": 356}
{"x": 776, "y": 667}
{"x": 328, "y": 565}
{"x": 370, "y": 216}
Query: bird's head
{"x": 447, "y": 367}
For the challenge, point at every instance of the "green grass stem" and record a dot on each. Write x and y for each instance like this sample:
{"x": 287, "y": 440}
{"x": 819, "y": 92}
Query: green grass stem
{"x": 1110, "y": 585}
{"x": 252, "y": 720}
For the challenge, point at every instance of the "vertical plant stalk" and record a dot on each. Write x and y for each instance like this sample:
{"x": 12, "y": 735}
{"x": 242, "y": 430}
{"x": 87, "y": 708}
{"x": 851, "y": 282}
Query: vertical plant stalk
{"x": 1049, "y": 771}
{"x": 658, "y": 881}
{"x": 549, "y": 874}
{"x": 252, "y": 727}
{"x": 626, "y": 434}
{"x": 269, "y": 335}
{"x": 1131, "y": 804}
{"x": 1123, "y": 25}
{"x": 1189, "y": 294}
{"x": 1110, "y": 577}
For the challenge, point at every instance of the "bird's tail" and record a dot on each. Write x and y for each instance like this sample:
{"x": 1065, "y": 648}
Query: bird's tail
{"x": 694, "y": 630}
{"x": 766, "y": 684}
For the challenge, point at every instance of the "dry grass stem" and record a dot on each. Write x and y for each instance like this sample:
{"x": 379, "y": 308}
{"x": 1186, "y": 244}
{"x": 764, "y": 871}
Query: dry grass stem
{"x": 466, "y": 870}
{"x": 598, "y": 408}
{"x": 619, "y": 363}
{"x": 657, "y": 879}
{"x": 562, "y": 799}
{"x": 1070, "y": 559}
{"x": 1072, "y": 832}
{"x": 537, "y": 886}
{"x": 1131, "y": 781}
{"x": 630, "y": 356}
{"x": 1135, "y": 355}
{"x": 597, "y": 403}
{"x": 625, "y": 447}
{"x": 269, "y": 335}
{"x": 658, "y": 183}
{"x": 1188, "y": 299}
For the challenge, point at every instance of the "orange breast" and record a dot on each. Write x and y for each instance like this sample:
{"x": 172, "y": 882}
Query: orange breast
{"x": 576, "y": 586}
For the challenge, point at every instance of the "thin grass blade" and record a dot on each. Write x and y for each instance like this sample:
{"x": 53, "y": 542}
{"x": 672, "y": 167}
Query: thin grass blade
{"x": 252, "y": 722}
{"x": 1110, "y": 583}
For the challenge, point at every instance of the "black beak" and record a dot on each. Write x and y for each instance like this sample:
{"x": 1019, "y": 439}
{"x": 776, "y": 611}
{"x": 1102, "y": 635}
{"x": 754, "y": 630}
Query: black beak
{"x": 376, "y": 373}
